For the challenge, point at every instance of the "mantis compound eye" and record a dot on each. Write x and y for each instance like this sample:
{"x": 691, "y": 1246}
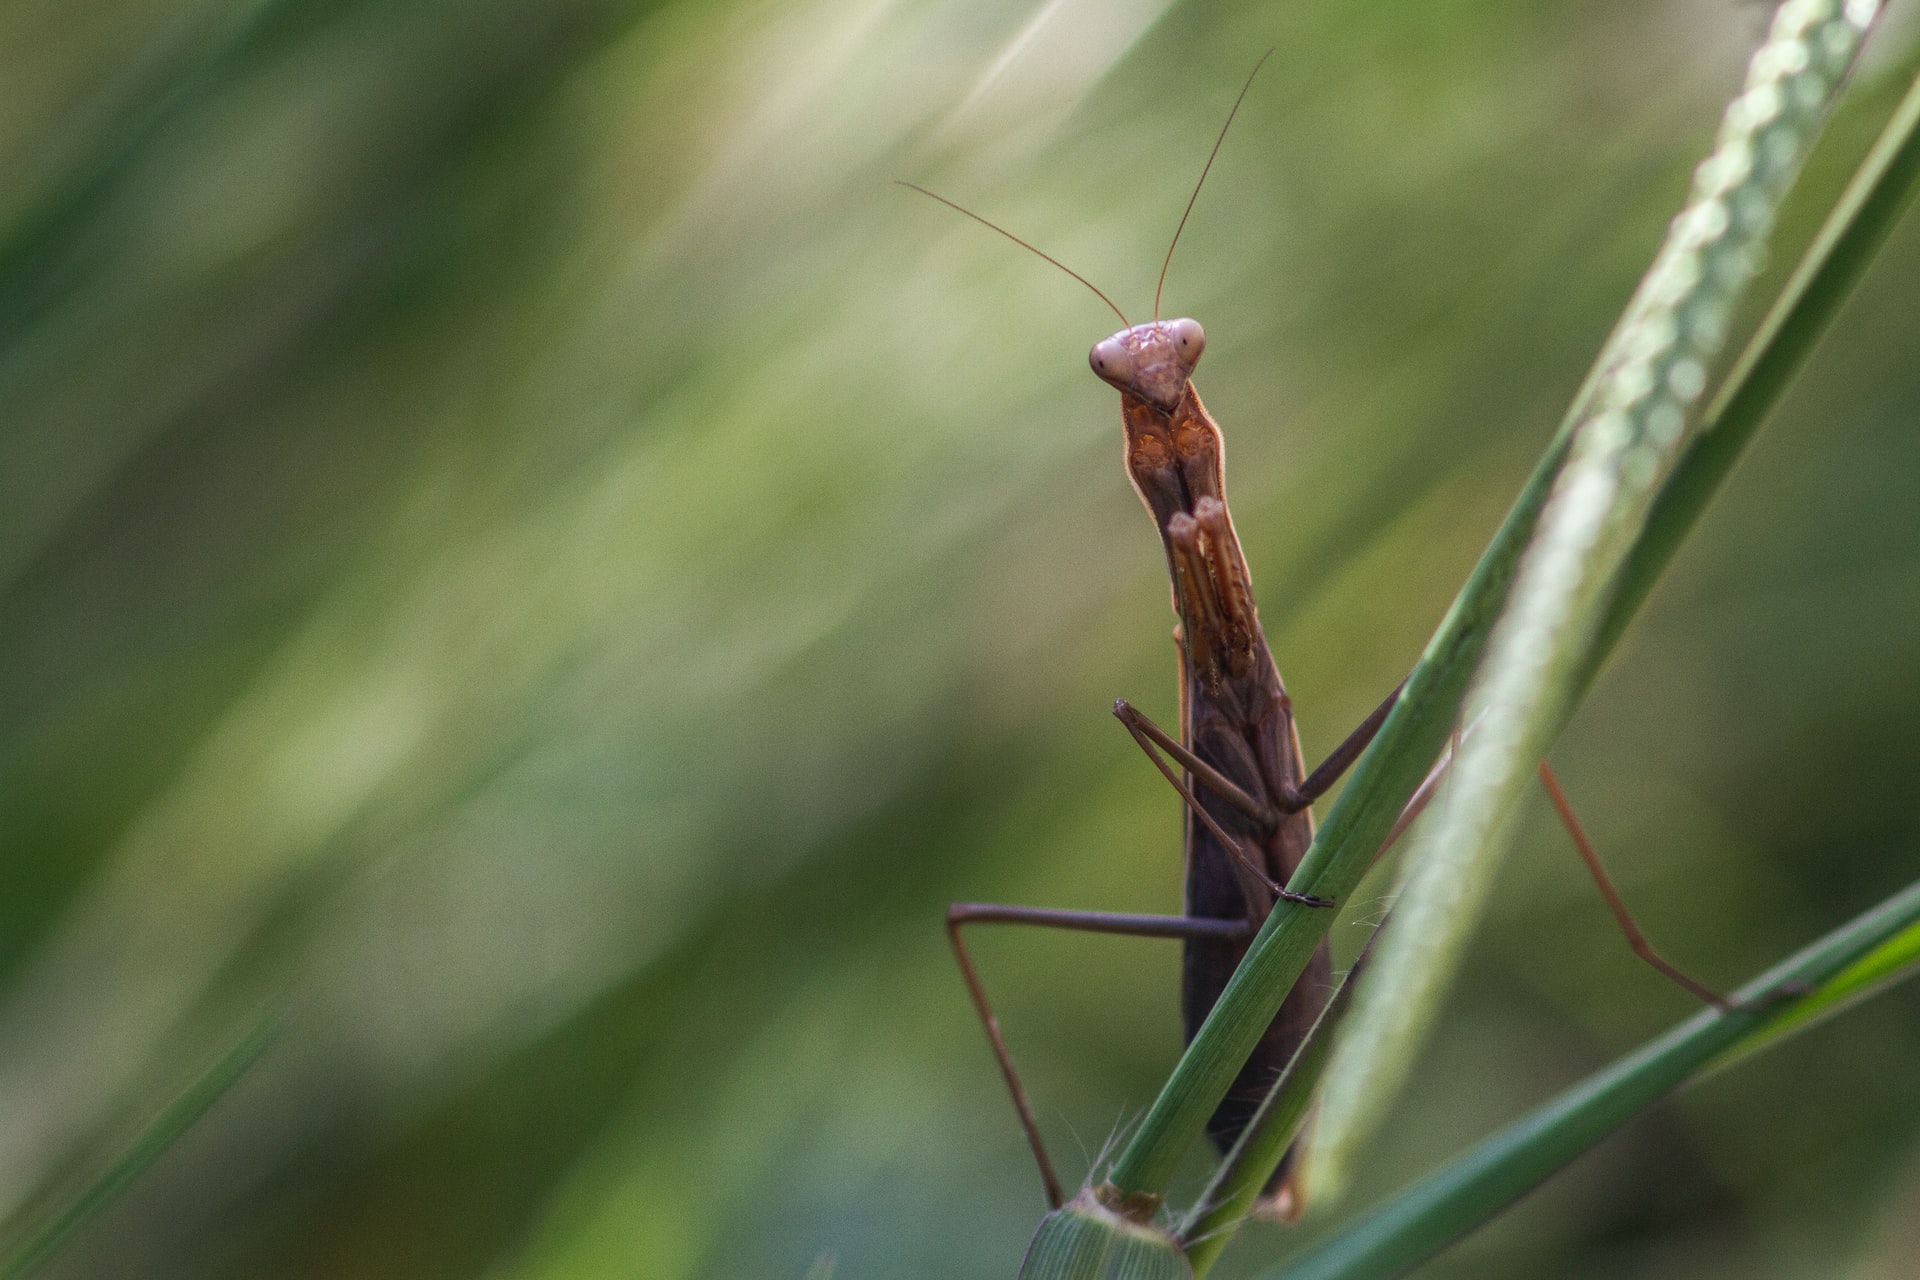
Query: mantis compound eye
{"x": 1189, "y": 339}
{"x": 1113, "y": 361}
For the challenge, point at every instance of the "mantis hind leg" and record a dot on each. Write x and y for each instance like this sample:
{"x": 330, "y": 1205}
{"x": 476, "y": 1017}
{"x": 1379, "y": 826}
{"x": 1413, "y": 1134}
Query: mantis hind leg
{"x": 1636, "y": 937}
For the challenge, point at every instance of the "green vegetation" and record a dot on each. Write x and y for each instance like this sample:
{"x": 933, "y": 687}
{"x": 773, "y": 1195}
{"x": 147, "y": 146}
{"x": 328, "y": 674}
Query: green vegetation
{"x": 520, "y": 545}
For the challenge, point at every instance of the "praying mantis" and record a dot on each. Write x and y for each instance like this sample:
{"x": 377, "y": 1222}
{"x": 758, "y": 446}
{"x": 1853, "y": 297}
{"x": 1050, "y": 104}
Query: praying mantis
{"x": 1241, "y": 777}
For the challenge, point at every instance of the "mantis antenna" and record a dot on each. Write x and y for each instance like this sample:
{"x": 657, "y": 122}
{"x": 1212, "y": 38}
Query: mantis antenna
{"x": 914, "y": 186}
{"x": 1203, "y": 180}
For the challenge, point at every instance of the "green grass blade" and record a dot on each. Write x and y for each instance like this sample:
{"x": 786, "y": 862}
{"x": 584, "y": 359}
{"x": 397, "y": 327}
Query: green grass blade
{"x": 1467, "y": 1192}
{"x": 153, "y": 1141}
{"x": 1538, "y": 659}
{"x": 1873, "y": 973}
{"x": 1879, "y": 192}
{"x": 1264, "y": 1142}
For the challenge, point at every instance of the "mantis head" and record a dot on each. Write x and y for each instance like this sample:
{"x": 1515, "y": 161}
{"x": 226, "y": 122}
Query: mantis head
{"x": 1153, "y": 361}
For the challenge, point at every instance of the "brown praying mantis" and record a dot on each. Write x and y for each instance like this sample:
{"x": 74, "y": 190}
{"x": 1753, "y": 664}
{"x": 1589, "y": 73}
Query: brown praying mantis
{"x": 1246, "y": 794}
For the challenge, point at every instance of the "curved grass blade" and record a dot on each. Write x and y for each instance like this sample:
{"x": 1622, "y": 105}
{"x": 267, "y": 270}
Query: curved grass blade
{"x": 1874, "y": 200}
{"x": 160, "y": 1134}
{"x": 1868, "y": 976}
{"x": 1626, "y": 442}
{"x": 1448, "y": 1204}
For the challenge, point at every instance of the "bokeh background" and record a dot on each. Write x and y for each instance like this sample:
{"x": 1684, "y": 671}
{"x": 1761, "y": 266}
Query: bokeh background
{"x": 521, "y": 548}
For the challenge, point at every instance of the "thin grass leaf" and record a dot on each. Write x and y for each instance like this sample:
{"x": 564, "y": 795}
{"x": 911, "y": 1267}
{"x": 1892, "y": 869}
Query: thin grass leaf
{"x": 160, "y": 1134}
{"x": 1873, "y": 973}
{"x": 1264, "y": 1142}
{"x": 1627, "y": 441}
{"x": 1467, "y": 1192}
{"x": 1879, "y": 192}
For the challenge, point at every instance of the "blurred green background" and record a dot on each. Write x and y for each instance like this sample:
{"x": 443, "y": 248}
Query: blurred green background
{"x": 519, "y": 545}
